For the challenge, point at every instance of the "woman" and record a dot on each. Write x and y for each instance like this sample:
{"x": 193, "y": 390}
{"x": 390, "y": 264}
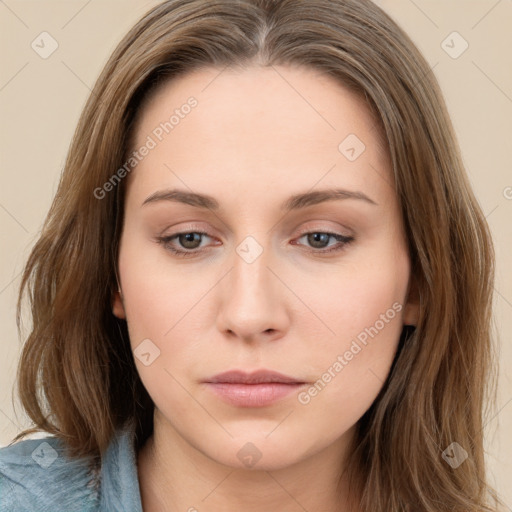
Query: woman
{"x": 264, "y": 281}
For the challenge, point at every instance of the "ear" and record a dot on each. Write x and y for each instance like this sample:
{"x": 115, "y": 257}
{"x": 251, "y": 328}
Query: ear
{"x": 117, "y": 305}
{"x": 412, "y": 304}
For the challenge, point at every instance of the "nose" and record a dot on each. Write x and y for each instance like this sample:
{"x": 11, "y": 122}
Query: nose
{"x": 253, "y": 304}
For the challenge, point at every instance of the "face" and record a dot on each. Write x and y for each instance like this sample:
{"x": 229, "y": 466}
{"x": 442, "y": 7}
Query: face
{"x": 275, "y": 271}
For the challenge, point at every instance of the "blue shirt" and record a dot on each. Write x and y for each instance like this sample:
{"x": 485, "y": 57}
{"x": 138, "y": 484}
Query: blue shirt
{"x": 36, "y": 476}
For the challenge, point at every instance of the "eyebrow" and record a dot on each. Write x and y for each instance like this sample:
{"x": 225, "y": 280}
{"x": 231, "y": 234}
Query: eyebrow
{"x": 295, "y": 202}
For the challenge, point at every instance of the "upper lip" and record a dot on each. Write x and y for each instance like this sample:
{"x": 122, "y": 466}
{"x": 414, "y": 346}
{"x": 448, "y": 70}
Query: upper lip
{"x": 256, "y": 377}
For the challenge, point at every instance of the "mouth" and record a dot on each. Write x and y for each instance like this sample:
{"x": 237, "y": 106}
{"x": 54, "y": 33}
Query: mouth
{"x": 256, "y": 389}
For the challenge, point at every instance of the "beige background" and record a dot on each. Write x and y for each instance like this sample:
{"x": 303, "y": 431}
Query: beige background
{"x": 40, "y": 101}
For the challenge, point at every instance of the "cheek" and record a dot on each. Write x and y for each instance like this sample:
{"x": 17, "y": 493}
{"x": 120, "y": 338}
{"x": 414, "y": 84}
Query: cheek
{"x": 363, "y": 311}
{"x": 352, "y": 366}
{"x": 157, "y": 295}
{"x": 159, "y": 303}
{"x": 354, "y": 299}
{"x": 167, "y": 308}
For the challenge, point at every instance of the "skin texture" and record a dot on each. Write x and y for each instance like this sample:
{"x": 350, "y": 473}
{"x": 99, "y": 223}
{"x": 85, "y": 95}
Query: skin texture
{"x": 256, "y": 137}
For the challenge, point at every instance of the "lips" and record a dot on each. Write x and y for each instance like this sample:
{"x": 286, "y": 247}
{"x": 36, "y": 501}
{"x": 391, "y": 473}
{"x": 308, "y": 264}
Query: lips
{"x": 257, "y": 377}
{"x": 258, "y": 389}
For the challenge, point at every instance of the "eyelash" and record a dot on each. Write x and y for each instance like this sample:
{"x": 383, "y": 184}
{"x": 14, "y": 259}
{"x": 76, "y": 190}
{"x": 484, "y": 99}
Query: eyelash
{"x": 165, "y": 241}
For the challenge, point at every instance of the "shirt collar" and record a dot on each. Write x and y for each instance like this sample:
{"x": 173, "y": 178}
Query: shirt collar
{"x": 119, "y": 479}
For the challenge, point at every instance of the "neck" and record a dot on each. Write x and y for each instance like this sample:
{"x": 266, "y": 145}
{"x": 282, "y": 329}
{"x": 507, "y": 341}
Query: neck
{"x": 174, "y": 476}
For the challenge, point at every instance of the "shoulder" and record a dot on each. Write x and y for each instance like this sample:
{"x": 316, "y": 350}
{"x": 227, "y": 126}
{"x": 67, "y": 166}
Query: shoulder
{"x": 36, "y": 474}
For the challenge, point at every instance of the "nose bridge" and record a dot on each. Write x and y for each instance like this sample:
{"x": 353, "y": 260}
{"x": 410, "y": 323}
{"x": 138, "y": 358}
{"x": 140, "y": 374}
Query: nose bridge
{"x": 252, "y": 302}
{"x": 250, "y": 275}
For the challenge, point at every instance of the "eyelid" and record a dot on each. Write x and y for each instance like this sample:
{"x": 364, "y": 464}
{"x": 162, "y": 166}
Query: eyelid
{"x": 325, "y": 229}
{"x": 187, "y": 228}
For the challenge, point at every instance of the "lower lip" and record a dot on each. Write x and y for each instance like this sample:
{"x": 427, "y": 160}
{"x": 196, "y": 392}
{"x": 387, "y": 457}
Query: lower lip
{"x": 253, "y": 395}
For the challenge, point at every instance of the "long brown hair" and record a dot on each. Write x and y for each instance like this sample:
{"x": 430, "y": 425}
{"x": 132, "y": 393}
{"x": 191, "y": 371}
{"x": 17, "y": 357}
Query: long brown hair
{"x": 77, "y": 378}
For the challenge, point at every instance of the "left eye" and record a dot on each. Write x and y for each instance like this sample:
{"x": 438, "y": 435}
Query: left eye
{"x": 190, "y": 241}
{"x": 320, "y": 239}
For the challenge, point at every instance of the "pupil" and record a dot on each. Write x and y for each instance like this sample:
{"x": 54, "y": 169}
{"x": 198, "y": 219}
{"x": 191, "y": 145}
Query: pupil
{"x": 322, "y": 238}
{"x": 190, "y": 238}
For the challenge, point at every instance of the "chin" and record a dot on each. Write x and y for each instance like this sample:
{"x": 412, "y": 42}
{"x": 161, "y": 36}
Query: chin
{"x": 258, "y": 454}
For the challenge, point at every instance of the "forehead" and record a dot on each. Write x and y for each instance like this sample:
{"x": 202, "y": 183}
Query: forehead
{"x": 274, "y": 127}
